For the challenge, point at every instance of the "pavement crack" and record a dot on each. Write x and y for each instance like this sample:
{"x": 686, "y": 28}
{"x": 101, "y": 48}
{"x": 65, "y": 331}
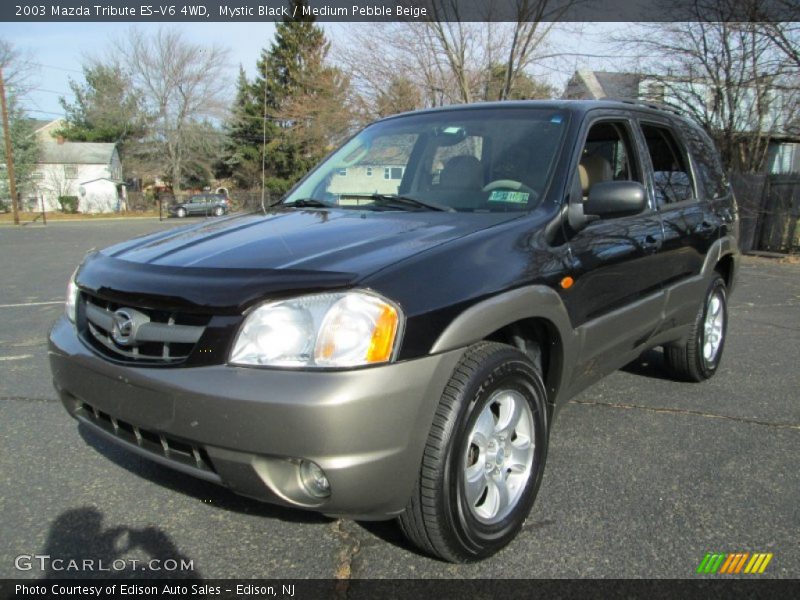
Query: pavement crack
{"x": 351, "y": 546}
{"x": 768, "y": 324}
{"x": 686, "y": 411}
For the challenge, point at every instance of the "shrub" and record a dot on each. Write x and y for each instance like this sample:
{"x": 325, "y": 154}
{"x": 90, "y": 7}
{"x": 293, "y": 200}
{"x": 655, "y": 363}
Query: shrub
{"x": 69, "y": 204}
{"x": 275, "y": 188}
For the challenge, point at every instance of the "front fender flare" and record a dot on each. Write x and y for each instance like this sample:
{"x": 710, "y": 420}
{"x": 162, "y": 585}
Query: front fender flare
{"x": 530, "y": 302}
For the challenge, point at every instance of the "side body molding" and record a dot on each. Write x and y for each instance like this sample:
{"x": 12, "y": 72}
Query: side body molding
{"x": 487, "y": 316}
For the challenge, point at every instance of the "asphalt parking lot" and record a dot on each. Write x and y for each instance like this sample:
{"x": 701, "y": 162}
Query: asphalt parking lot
{"x": 644, "y": 475}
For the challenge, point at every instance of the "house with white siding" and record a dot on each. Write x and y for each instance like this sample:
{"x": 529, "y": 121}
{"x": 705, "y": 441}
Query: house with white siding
{"x": 90, "y": 171}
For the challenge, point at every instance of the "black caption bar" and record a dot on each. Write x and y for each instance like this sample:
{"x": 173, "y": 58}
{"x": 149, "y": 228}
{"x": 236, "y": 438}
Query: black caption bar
{"x": 388, "y": 589}
{"x": 400, "y": 10}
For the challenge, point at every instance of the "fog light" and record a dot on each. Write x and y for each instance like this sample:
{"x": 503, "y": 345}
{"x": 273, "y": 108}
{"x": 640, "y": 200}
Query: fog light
{"x": 314, "y": 480}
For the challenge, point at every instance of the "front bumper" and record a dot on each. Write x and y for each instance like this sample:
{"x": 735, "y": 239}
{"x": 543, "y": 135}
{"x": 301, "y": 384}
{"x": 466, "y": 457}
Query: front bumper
{"x": 247, "y": 427}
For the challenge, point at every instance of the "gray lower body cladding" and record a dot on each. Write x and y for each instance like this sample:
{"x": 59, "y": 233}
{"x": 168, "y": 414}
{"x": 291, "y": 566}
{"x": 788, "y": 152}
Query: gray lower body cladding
{"x": 248, "y": 428}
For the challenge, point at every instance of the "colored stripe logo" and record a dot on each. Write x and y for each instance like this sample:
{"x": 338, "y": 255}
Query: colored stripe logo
{"x": 734, "y": 563}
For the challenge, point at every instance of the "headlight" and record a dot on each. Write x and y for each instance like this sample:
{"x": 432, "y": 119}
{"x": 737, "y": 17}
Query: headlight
{"x": 343, "y": 329}
{"x": 71, "y": 302}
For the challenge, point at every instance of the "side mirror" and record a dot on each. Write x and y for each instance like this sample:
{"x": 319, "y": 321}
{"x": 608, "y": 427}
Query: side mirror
{"x": 610, "y": 199}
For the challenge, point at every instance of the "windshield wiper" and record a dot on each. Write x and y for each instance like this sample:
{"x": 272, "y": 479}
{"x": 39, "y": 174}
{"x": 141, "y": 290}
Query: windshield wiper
{"x": 399, "y": 201}
{"x": 307, "y": 203}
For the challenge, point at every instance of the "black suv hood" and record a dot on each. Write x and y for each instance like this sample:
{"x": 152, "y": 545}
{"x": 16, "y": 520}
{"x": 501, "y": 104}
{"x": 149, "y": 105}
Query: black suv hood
{"x": 230, "y": 263}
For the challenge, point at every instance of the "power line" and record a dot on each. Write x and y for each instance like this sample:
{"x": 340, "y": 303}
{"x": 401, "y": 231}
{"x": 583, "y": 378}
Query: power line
{"x": 37, "y": 89}
{"x": 55, "y": 68}
{"x": 45, "y": 112}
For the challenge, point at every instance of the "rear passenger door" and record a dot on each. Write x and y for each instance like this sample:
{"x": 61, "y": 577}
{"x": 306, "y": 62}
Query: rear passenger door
{"x": 690, "y": 227}
{"x": 616, "y": 299}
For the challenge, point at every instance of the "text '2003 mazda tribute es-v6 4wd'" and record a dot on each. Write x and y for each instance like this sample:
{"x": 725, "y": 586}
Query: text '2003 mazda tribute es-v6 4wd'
{"x": 395, "y": 338}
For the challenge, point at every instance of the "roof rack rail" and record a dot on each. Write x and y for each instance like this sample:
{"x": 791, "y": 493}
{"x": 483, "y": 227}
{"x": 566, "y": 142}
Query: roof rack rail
{"x": 648, "y": 104}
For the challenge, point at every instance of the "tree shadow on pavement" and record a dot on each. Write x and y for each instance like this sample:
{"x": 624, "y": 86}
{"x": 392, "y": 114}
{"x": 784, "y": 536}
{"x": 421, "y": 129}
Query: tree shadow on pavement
{"x": 79, "y": 547}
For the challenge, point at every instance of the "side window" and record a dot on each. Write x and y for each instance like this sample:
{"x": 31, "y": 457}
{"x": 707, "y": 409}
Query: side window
{"x": 607, "y": 155}
{"x": 709, "y": 167}
{"x": 672, "y": 177}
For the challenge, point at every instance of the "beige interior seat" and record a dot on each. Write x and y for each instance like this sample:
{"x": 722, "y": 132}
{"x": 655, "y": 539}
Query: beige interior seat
{"x": 592, "y": 169}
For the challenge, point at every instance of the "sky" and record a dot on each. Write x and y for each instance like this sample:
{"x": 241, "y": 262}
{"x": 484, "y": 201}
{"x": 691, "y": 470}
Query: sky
{"x": 59, "y": 49}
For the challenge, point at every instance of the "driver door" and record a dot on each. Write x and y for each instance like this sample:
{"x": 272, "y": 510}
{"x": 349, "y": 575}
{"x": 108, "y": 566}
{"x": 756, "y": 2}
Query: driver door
{"x": 616, "y": 300}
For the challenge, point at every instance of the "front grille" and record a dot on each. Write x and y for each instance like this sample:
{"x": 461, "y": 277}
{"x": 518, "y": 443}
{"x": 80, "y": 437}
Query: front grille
{"x": 154, "y": 443}
{"x": 161, "y": 337}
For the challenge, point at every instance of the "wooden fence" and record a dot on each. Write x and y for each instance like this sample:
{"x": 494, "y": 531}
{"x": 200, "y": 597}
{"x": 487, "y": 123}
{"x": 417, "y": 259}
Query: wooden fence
{"x": 769, "y": 208}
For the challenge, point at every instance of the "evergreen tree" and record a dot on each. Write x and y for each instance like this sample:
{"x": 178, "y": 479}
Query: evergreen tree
{"x": 244, "y": 133}
{"x": 401, "y": 96}
{"x": 25, "y": 147}
{"x": 304, "y": 101}
{"x": 105, "y": 108}
{"x": 525, "y": 87}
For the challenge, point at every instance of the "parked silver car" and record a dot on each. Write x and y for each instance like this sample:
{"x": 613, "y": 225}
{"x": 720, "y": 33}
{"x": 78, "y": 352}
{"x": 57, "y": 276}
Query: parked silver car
{"x": 201, "y": 204}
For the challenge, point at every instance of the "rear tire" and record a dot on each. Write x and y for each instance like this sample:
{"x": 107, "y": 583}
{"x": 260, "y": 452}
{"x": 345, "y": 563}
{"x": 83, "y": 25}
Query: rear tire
{"x": 484, "y": 458}
{"x": 219, "y": 211}
{"x": 698, "y": 357}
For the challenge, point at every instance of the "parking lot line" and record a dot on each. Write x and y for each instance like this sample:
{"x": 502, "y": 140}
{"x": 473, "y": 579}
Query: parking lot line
{"x": 23, "y": 304}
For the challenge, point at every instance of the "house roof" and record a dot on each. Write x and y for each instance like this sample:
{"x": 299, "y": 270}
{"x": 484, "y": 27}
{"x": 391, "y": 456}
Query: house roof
{"x": 37, "y": 124}
{"x": 76, "y": 153}
{"x": 595, "y": 85}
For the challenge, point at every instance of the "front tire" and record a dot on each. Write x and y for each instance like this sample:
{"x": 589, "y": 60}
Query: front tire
{"x": 484, "y": 457}
{"x": 698, "y": 357}
{"x": 180, "y": 213}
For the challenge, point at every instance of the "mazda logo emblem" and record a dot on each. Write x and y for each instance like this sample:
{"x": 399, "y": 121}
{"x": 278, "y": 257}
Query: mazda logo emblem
{"x": 122, "y": 329}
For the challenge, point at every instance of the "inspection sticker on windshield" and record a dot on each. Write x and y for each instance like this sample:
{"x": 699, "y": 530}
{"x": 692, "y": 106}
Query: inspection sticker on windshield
{"x": 513, "y": 197}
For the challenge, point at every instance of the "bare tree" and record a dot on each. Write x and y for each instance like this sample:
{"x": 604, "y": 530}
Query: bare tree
{"x": 449, "y": 59}
{"x": 786, "y": 37}
{"x": 180, "y": 84}
{"x": 57, "y": 183}
{"x": 780, "y": 23}
{"x": 723, "y": 74}
{"x": 17, "y": 68}
{"x": 534, "y": 22}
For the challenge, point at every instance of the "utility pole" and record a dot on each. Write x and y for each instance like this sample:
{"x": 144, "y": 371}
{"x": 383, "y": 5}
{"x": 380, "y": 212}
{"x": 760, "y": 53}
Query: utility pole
{"x": 12, "y": 182}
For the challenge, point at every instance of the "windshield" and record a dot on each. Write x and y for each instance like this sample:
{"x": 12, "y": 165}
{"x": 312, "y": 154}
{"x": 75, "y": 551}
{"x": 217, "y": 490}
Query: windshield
{"x": 481, "y": 160}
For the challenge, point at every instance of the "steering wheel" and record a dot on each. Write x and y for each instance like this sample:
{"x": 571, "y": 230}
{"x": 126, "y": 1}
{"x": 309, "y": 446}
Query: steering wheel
{"x": 510, "y": 184}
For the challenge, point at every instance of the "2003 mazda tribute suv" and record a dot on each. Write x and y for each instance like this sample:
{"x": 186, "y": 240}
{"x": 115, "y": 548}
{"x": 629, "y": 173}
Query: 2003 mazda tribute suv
{"x": 395, "y": 338}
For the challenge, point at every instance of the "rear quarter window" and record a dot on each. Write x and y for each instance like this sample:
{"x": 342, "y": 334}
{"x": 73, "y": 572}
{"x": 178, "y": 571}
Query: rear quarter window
{"x": 706, "y": 159}
{"x": 672, "y": 176}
